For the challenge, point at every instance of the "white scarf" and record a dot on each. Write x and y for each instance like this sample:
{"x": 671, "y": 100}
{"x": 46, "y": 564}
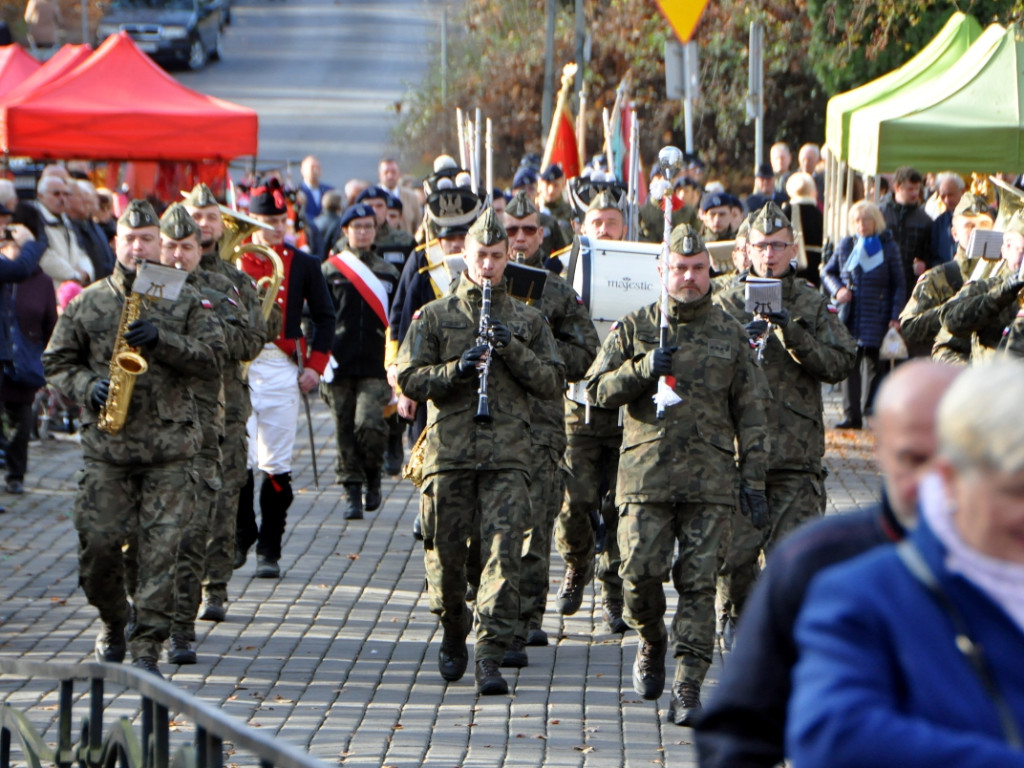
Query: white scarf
{"x": 1001, "y": 581}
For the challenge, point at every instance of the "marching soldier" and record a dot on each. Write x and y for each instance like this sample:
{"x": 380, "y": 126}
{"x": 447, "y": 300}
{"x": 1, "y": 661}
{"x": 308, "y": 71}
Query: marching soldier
{"x": 476, "y": 474}
{"x": 919, "y": 320}
{"x": 220, "y": 549}
{"x": 137, "y": 483}
{"x": 281, "y": 374}
{"x": 807, "y": 345}
{"x": 361, "y": 284}
{"x": 982, "y": 310}
{"x": 576, "y": 341}
{"x": 679, "y": 475}
{"x": 179, "y": 238}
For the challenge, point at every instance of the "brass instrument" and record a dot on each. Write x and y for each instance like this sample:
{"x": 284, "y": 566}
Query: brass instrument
{"x": 237, "y": 228}
{"x": 1011, "y": 200}
{"x": 484, "y": 336}
{"x": 126, "y": 365}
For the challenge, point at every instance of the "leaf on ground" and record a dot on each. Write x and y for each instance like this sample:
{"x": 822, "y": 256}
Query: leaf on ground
{"x": 584, "y": 748}
{"x": 353, "y": 556}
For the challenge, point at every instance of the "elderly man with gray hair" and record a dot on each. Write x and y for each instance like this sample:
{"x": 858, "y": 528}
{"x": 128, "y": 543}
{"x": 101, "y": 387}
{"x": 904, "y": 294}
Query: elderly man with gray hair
{"x": 64, "y": 258}
{"x": 910, "y": 655}
{"x": 949, "y": 188}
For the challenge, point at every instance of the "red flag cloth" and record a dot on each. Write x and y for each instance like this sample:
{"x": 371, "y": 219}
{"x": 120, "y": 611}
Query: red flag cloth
{"x": 562, "y": 147}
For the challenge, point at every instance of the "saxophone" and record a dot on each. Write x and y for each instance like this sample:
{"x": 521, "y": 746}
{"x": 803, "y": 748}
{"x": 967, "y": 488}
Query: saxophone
{"x": 126, "y": 364}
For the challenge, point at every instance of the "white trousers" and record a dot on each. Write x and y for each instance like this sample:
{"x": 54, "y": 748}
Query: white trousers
{"x": 273, "y": 378}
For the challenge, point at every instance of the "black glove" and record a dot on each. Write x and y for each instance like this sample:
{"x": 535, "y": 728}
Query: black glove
{"x": 660, "y": 361}
{"x": 1005, "y": 292}
{"x": 98, "y": 396}
{"x": 142, "y": 333}
{"x": 469, "y": 360}
{"x": 754, "y": 504}
{"x": 780, "y": 319}
{"x": 756, "y": 328}
{"x": 501, "y": 336}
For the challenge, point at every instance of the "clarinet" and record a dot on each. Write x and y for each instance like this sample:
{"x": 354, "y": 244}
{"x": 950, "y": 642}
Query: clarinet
{"x": 484, "y": 336}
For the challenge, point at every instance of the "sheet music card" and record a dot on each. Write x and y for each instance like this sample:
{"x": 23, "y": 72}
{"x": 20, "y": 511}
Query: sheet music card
{"x": 763, "y": 295}
{"x": 158, "y": 282}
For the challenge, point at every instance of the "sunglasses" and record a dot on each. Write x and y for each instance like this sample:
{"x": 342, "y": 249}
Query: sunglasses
{"x": 526, "y": 229}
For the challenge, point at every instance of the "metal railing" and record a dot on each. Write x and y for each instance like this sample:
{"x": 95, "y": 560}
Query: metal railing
{"x": 121, "y": 746}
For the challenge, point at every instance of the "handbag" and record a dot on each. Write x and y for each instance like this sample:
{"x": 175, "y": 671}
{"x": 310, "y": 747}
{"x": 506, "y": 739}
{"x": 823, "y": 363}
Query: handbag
{"x": 25, "y": 368}
{"x": 893, "y": 346}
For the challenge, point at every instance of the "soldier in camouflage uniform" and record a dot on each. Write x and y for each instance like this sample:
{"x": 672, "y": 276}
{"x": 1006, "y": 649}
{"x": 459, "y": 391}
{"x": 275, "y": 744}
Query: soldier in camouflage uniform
{"x": 180, "y": 248}
{"x": 919, "y": 320}
{"x": 137, "y": 484}
{"x": 984, "y": 309}
{"x": 680, "y": 475}
{"x": 807, "y": 346}
{"x": 593, "y": 437}
{"x": 476, "y": 474}
{"x": 220, "y": 547}
{"x": 576, "y": 340}
{"x": 358, "y": 391}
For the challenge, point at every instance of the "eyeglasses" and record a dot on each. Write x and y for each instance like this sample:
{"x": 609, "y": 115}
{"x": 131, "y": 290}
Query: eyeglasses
{"x": 527, "y": 229}
{"x": 57, "y": 193}
{"x": 775, "y": 246}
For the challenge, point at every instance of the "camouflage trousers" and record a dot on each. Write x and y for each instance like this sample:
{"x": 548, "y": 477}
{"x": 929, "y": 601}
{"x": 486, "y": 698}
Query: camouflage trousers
{"x": 360, "y": 429}
{"x": 220, "y": 543}
{"x": 546, "y": 489}
{"x": 455, "y": 505}
{"x": 647, "y": 539}
{"x": 591, "y": 463}
{"x": 145, "y": 507}
{"x": 188, "y": 569}
{"x": 793, "y": 498}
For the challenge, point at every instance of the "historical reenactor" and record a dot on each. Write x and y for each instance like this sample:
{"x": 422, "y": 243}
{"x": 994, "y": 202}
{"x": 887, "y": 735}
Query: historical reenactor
{"x": 180, "y": 248}
{"x": 919, "y": 320}
{"x": 273, "y": 376}
{"x": 220, "y": 549}
{"x": 806, "y": 345}
{"x": 593, "y": 437}
{"x": 576, "y": 341}
{"x": 983, "y": 309}
{"x": 138, "y": 482}
{"x": 361, "y": 284}
{"x": 475, "y": 471}
{"x": 680, "y": 475}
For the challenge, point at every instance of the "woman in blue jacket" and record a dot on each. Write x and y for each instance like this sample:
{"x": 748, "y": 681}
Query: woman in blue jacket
{"x": 864, "y": 277}
{"x": 894, "y": 671}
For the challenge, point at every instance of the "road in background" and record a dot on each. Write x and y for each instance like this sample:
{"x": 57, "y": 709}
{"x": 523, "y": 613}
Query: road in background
{"x": 325, "y": 76}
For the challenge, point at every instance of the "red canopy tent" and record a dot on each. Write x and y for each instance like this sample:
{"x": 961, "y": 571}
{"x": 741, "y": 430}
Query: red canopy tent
{"x": 58, "y": 65}
{"x": 15, "y": 66}
{"x": 120, "y": 105}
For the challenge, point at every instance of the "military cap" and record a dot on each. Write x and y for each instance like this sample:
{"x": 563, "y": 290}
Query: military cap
{"x": 520, "y": 206}
{"x": 530, "y": 160}
{"x": 764, "y": 171}
{"x": 523, "y": 177}
{"x": 357, "y": 211}
{"x": 553, "y": 172}
{"x": 604, "y": 200}
{"x": 139, "y": 214}
{"x": 972, "y": 205}
{"x": 177, "y": 223}
{"x": 714, "y": 200}
{"x": 199, "y": 197}
{"x": 744, "y": 228}
{"x": 1016, "y": 223}
{"x": 373, "y": 193}
{"x": 454, "y": 231}
{"x": 394, "y": 202}
{"x": 686, "y": 241}
{"x": 268, "y": 199}
{"x": 487, "y": 229}
{"x": 770, "y": 219}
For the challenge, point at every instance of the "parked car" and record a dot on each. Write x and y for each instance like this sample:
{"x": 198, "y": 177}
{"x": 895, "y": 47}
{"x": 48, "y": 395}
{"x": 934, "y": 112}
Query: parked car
{"x": 171, "y": 31}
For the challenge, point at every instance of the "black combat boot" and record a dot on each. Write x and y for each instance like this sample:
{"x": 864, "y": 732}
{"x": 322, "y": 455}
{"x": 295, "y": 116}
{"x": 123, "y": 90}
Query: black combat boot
{"x": 685, "y": 704}
{"x": 275, "y": 498}
{"x": 180, "y": 650}
{"x": 110, "y": 644}
{"x": 372, "y": 502}
{"x": 354, "y": 496}
{"x": 489, "y": 681}
{"x": 454, "y": 656}
{"x": 570, "y": 594}
{"x": 649, "y": 669}
{"x": 612, "y": 614}
{"x": 515, "y": 654}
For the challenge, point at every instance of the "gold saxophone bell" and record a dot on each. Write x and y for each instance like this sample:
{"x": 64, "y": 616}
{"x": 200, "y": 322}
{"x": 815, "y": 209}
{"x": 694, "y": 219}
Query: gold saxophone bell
{"x": 237, "y": 228}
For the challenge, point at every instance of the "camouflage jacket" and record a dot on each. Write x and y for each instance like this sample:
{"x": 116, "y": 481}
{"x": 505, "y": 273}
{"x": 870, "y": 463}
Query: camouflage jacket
{"x": 1013, "y": 340}
{"x": 248, "y": 342}
{"x": 576, "y": 341}
{"x": 982, "y": 311}
{"x": 162, "y": 423}
{"x": 919, "y": 320}
{"x": 815, "y": 347}
{"x": 690, "y": 454}
{"x": 528, "y": 368}
{"x": 652, "y": 220}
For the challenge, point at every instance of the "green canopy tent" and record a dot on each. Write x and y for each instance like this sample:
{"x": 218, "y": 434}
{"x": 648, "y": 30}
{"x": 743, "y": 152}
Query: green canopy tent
{"x": 970, "y": 118}
{"x": 952, "y": 41}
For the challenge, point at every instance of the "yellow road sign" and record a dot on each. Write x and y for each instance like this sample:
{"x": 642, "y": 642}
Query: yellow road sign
{"x": 682, "y": 15}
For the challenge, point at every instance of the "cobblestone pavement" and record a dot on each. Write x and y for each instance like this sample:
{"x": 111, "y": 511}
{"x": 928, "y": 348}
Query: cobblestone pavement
{"x": 340, "y": 655}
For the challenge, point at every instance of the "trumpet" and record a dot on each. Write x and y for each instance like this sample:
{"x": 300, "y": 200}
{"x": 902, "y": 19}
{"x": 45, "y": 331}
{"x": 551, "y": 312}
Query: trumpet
{"x": 484, "y": 336}
{"x": 237, "y": 228}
